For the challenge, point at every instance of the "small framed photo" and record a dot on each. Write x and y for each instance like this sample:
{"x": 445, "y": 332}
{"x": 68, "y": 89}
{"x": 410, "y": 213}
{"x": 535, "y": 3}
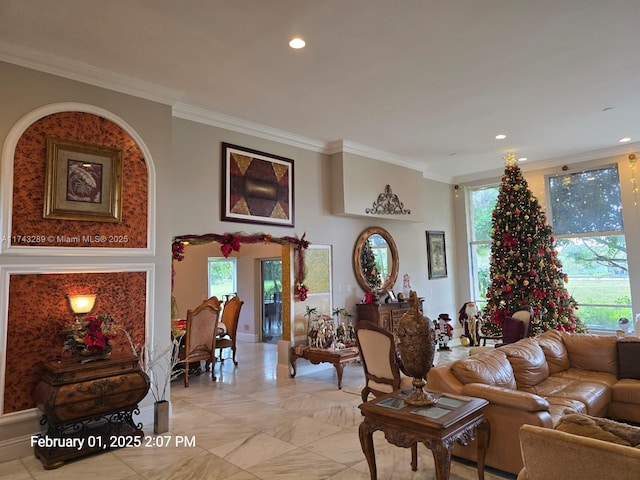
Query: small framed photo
{"x": 391, "y": 296}
{"x": 436, "y": 254}
{"x": 257, "y": 187}
{"x": 83, "y": 182}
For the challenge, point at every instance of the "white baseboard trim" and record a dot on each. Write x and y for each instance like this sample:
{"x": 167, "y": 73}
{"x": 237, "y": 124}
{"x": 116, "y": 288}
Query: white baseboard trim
{"x": 24, "y": 426}
{"x": 16, "y": 448}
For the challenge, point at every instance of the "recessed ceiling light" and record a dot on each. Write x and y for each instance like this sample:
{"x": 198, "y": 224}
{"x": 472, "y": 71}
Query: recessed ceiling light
{"x": 624, "y": 140}
{"x": 502, "y": 136}
{"x": 522, "y": 159}
{"x": 297, "y": 43}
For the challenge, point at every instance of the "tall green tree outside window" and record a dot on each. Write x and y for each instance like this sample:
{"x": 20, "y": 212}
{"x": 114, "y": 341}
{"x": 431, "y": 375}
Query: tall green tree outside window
{"x": 482, "y": 201}
{"x": 586, "y": 214}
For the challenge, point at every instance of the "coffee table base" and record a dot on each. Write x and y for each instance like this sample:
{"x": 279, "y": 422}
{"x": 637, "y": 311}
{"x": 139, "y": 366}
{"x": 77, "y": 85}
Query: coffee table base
{"x": 441, "y": 448}
{"x": 325, "y": 355}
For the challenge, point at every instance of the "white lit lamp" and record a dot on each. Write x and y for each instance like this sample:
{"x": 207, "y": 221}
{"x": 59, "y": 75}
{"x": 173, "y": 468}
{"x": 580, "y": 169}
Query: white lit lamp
{"x": 81, "y": 304}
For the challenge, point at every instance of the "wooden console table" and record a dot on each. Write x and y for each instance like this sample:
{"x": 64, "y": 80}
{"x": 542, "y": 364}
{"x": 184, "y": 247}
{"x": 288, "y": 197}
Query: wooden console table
{"x": 337, "y": 357}
{"x": 452, "y": 419}
{"x": 88, "y": 408}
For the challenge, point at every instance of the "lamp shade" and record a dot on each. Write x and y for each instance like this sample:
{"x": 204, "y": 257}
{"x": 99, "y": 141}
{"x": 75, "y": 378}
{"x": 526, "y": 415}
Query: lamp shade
{"x": 80, "y": 304}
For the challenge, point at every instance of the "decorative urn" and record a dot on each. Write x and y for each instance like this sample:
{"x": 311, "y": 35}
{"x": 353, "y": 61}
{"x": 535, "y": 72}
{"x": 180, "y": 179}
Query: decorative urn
{"x": 415, "y": 339}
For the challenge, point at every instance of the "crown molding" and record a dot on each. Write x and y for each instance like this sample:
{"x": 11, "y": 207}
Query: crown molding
{"x": 82, "y": 72}
{"x": 208, "y": 117}
{"x": 369, "y": 152}
{"x": 599, "y": 154}
{"x": 78, "y": 71}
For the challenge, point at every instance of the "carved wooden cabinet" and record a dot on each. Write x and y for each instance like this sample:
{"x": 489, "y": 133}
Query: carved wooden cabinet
{"x": 88, "y": 407}
{"x": 385, "y": 315}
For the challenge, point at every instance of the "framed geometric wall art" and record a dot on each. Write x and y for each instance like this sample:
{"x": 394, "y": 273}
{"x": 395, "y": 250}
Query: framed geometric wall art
{"x": 83, "y": 181}
{"x": 257, "y": 187}
{"x": 436, "y": 254}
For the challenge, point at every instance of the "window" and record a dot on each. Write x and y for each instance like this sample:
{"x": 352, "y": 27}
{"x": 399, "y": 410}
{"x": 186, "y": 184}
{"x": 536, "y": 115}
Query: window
{"x": 482, "y": 201}
{"x": 223, "y": 277}
{"x": 586, "y": 215}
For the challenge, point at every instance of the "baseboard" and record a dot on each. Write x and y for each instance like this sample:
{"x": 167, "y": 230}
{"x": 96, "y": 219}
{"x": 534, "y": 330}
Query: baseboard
{"x": 20, "y": 428}
{"x": 17, "y": 430}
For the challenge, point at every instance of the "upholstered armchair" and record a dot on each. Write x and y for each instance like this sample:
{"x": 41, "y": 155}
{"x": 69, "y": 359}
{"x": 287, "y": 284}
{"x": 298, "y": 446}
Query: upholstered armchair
{"x": 552, "y": 454}
{"x": 380, "y": 363}
{"x": 379, "y": 360}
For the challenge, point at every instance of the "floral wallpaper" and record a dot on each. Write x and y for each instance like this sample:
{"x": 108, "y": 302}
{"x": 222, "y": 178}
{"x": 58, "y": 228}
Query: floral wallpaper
{"x": 31, "y": 229}
{"x": 38, "y": 311}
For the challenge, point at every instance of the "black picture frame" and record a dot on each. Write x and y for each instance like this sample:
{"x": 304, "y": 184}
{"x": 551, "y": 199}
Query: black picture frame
{"x": 436, "y": 254}
{"x": 257, "y": 187}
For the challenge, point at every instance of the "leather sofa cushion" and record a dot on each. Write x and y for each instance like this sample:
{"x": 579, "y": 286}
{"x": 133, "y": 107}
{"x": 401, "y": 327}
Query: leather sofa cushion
{"x": 591, "y": 352}
{"x": 595, "y": 396}
{"x": 627, "y": 391}
{"x": 628, "y": 354}
{"x": 588, "y": 376}
{"x": 491, "y": 368}
{"x": 528, "y": 362}
{"x": 554, "y": 351}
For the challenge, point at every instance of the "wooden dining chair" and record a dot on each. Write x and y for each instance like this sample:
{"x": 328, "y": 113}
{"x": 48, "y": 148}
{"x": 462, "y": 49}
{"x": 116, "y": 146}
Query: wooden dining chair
{"x": 200, "y": 336}
{"x": 230, "y": 316}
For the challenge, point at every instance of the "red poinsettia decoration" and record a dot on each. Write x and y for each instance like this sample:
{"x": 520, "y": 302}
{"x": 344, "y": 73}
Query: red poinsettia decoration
{"x": 302, "y": 291}
{"x": 229, "y": 243}
{"x": 91, "y": 334}
{"x": 177, "y": 250}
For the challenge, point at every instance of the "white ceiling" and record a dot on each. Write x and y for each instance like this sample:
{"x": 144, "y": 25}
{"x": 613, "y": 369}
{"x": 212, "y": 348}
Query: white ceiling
{"x": 421, "y": 83}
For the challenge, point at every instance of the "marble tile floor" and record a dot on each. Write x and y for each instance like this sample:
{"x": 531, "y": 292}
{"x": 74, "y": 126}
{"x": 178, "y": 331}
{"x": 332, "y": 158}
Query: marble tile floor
{"x": 252, "y": 424}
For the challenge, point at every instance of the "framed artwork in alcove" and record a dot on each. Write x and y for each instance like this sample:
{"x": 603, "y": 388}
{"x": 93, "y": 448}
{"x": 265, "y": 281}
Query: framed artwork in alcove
{"x": 83, "y": 181}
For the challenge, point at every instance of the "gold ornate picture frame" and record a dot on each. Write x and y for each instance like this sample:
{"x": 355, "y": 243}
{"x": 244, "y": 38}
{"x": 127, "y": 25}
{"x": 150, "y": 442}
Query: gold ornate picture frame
{"x": 436, "y": 254}
{"x": 257, "y": 187}
{"x": 83, "y": 182}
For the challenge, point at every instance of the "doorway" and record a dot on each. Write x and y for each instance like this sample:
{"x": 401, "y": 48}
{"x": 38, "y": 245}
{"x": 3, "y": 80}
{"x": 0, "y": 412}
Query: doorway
{"x": 271, "y": 286}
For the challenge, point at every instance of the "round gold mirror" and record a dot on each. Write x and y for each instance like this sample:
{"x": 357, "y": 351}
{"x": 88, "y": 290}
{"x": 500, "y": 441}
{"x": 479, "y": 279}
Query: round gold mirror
{"x": 375, "y": 260}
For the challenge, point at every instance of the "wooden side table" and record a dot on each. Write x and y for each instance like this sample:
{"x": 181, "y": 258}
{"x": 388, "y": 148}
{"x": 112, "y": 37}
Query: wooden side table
{"x": 88, "y": 408}
{"x": 453, "y": 419}
{"x": 337, "y": 357}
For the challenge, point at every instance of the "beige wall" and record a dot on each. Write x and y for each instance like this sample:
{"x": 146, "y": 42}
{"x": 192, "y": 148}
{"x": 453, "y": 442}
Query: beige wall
{"x": 186, "y": 159}
{"x": 24, "y": 91}
{"x": 196, "y": 203}
{"x": 191, "y": 281}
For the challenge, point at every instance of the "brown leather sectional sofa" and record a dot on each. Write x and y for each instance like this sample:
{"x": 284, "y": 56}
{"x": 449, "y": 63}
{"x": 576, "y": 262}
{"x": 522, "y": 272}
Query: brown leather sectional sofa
{"x": 534, "y": 381}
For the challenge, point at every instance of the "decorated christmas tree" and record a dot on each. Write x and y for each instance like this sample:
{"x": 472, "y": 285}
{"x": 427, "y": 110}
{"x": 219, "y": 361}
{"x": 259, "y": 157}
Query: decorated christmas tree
{"x": 369, "y": 268}
{"x": 524, "y": 267}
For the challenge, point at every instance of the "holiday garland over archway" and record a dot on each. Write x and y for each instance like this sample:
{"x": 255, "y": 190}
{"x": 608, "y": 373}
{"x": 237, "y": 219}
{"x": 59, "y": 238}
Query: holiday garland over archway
{"x": 230, "y": 242}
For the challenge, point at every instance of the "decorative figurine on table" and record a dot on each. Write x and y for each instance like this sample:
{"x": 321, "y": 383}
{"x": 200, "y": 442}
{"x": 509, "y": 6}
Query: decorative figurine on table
{"x": 470, "y": 318}
{"x": 406, "y": 286}
{"x": 444, "y": 331}
{"x": 351, "y": 334}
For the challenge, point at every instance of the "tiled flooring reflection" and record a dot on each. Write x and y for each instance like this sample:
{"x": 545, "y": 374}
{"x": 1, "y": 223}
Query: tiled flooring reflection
{"x": 252, "y": 424}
